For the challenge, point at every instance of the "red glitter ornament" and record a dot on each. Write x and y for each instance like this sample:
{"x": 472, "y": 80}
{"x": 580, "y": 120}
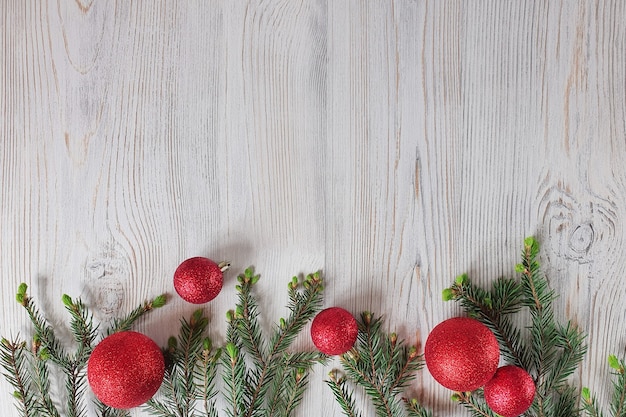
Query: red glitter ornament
{"x": 510, "y": 392}
{"x": 462, "y": 354}
{"x": 125, "y": 369}
{"x": 334, "y": 331}
{"x": 199, "y": 280}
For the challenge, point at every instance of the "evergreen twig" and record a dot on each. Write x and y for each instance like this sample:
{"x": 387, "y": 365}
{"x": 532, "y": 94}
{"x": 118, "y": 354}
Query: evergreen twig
{"x": 41, "y": 379}
{"x": 415, "y": 409}
{"x": 618, "y": 400}
{"x": 206, "y": 373}
{"x": 126, "y": 322}
{"x": 549, "y": 351}
{"x": 260, "y": 393}
{"x": 184, "y": 357}
{"x": 29, "y": 371}
{"x": 13, "y": 358}
{"x": 343, "y": 394}
{"x": 380, "y": 364}
{"x": 474, "y": 403}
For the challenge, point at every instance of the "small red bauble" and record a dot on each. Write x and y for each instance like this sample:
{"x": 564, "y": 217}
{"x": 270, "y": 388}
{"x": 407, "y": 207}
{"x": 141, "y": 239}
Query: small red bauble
{"x": 462, "y": 354}
{"x": 334, "y": 331}
{"x": 125, "y": 369}
{"x": 510, "y": 392}
{"x": 199, "y": 280}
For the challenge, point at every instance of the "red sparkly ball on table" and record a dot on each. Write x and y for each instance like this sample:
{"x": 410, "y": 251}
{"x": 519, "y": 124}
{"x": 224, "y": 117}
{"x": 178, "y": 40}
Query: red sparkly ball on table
{"x": 510, "y": 392}
{"x": 462, "y": 354}
{"x": 334, "y": 331}
{"x": 199, "y": 280}
{"x": 125, "y": 369}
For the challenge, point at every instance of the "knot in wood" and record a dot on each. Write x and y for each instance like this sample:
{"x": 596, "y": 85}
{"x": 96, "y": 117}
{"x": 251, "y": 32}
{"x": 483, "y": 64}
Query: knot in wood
{"x": 582, "y": 238}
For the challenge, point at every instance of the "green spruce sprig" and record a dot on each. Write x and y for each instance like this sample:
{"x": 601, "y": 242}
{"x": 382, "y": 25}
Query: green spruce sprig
{"x": 29, "y": 370}
{"x": 13, "y": 356}
{"x": 343, "y": 392}
{"x": 549, "y": 351}
{"x": 495, "y": 309}
{"x": 382, "y": 366}
{"x": 190, "y": 371}
{"x": 126, "y": 322}
{"x": 262, "y": 377}
{"x": 415, "y": 409}
{"x": 618, "y": 400}
{"x": 474, "y": 402}
{"x": 273, "y": 381}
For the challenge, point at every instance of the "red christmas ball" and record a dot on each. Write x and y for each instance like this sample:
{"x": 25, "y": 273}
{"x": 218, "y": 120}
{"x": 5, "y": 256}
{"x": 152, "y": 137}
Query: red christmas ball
{"x": 334, "y": 331}
{"x": 462, "y": 354}
{"x": 125, "y": 369}
{"x": 199, "y": 280}
{"x": 510, "y": 392}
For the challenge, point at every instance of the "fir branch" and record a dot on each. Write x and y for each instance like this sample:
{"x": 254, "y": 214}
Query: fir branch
{"x": 590, "y": 403}
{"x": 183, "y": 356}
{"x": 268, "y": 363}
{"x": 381, "y": 365}
{"x": 206, "y": 374}
{"x": 43, "y": 330}
{"x": 493, "y": 309}
{"x": 571, "y": 344}
{"x": 246, "y": 327}
{"x": 475, "y": 404}
{"x": 551, "y": 352}
{"x": 47, "y": 348}
{"x": 85, "y": 334}
{"x": 235, "y": 380}
{"x": 14, "y": 362}
{"x": 171, "y": 396}
{"x": 104, "y": 410}
{"x": 618, "y": 401}
{"x": 293, "y": 390}
{"x": 74, "y": 385}
{"x": 343, "y": 395}
{"x": 41, "y": 379}
{"x": 276, "y": 404}
{"x": 163, "y": 408}
{"x": 566, "y": 404}
{"x": 555, "y": 350}
{"x": 290, "y": 381}
{"x": 415, "y": 409}
{"x": 82, "y": 326}
{"x": 246, "y": 319}
{"x": 125, "y": 323}
{"x": 302, "y": 307}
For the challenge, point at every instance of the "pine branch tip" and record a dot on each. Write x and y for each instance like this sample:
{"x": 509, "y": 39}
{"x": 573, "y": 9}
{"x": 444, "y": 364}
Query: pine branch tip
{"x": 158, "y": 301}
{"x": 67, "y": 301}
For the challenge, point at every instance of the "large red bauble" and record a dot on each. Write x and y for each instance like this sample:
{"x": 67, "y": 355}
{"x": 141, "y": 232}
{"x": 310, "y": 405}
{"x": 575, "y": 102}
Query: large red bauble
{"x": 510, "y": 392}
{"x": 334, "y": 331}
{"x": 462, "y": 354}
{"x": 125, "y": 369}
{"x": 198, "y": 280}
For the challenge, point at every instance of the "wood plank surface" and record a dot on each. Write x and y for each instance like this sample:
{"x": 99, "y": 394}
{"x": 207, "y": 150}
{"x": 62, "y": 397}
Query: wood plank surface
{"x": 391, "y": 144}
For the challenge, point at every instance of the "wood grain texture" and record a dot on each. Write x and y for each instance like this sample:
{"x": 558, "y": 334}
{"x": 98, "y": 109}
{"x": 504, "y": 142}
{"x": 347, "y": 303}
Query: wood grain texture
{"x": 392, "y": 144}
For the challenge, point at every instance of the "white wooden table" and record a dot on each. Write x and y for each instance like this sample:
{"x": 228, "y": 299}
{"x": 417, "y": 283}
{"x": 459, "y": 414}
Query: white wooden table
{"x": 391, "y": 144}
